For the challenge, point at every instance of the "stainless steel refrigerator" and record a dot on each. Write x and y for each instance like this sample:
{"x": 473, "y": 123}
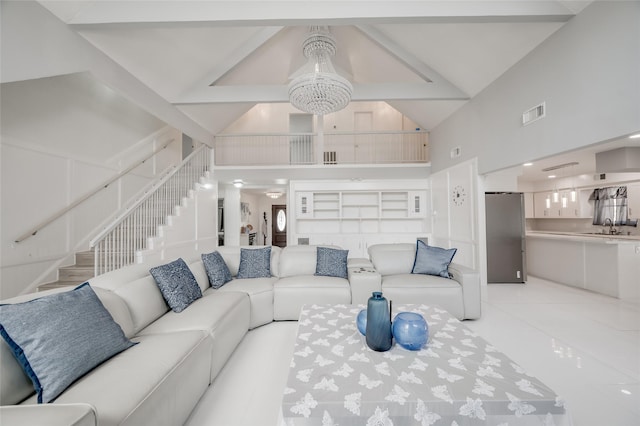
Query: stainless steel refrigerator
{"x": 506, "y": 248}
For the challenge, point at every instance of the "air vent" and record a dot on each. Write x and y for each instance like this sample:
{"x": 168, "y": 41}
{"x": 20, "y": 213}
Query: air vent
{"x": 533, "y": 114}
{"x": 561, "y": 166}
{"x": 330, "y": 157}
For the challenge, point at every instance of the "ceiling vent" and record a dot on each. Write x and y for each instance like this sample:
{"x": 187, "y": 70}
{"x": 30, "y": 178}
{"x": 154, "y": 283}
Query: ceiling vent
{"x": 621, "y": 160}
{"x": 534, "y": 114}
{"x": 561, "y": 166}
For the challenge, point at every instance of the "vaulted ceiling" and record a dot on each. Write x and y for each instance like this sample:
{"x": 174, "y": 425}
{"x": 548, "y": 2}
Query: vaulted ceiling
{"x": 214, "y": 60}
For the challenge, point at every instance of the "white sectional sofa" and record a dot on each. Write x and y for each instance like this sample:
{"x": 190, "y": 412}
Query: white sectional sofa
{"x": 160, "y": 380}
{"x": 460, "y": 295}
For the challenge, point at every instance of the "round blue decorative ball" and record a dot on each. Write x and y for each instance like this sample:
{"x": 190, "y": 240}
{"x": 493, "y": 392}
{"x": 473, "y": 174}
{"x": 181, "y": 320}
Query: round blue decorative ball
{"x": 361, "y": 321}
{"x": 410, "y": 330}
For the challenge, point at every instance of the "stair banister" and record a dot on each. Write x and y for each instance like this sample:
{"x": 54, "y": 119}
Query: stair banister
{"x": 33, "y": 231}
{"x": 116, "y": 246}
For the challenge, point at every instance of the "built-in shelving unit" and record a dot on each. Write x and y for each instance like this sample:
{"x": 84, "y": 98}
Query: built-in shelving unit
{"x": 354, "y": 219}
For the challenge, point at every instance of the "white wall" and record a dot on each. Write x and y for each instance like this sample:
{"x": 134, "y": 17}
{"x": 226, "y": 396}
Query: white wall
{"x": 59, "y": 141}
{"x": 274, "y": 118}
{"x": 586, "y": 72}
{"x": 457, "y": 224}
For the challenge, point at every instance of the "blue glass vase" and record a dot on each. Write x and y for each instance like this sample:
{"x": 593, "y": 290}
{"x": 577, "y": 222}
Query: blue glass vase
{"x": 410, "y": 330}
{"x": 361, "y": 322}
{"x": 378, "y": 328}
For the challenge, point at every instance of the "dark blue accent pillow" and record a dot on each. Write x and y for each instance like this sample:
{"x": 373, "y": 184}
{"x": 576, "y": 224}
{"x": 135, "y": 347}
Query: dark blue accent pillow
{"x": 255, "y": 263}
{"x": 60, "y": 337}
{"x": 331, "y": 262}
{"x": 177, "y": 284}
{"x": 217, "y": 270}
{"x": 432, "y": 260}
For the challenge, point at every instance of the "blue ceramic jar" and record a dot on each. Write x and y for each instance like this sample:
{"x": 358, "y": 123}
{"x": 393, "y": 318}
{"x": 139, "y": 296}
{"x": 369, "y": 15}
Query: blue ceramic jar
{"x": 378, "y": 328}
{"x": 361, "y": 322}
{"x": 410, "y": 330}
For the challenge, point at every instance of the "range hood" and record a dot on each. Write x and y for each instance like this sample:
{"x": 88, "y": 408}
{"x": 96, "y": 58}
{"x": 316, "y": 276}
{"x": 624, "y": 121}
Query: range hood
{"x": 621, "y": 160}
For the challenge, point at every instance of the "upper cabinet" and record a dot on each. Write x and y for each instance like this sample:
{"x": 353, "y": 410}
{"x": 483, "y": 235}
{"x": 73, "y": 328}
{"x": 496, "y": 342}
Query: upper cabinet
{"x": 633, "y": 200}
{"x": 547, "y": 205}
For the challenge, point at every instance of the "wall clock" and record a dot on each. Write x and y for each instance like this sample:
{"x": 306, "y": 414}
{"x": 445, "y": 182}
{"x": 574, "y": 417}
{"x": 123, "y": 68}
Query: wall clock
{"x": 458, "y": 195}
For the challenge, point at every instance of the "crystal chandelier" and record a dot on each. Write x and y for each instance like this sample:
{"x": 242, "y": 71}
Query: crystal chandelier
{"x": 319, "y": 90}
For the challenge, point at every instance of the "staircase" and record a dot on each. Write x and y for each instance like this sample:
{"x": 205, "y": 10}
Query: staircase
{"x": 135, "y": 226}
{"x": 74, "y": 275}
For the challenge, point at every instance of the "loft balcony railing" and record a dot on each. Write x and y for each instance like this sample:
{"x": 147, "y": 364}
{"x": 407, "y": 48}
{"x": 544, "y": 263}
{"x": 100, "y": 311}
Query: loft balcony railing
{"x": 327, "y": 148}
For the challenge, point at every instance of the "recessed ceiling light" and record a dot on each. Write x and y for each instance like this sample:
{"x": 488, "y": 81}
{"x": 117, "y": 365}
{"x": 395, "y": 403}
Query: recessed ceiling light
{"x": 636, "y": 136}
{"x": 238, "y": 183}
{"x": 528, "y": 164}
{"x": 551, "y": 176}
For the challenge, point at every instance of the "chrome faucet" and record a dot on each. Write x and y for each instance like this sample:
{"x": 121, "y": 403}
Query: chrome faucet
{"x": 612, "y": 230}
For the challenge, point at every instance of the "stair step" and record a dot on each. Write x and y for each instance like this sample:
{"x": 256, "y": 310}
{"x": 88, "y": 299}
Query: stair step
{"x": 59, "y": 284}
{"x": 85, "y": 258}
{"x": 75, "y": 273}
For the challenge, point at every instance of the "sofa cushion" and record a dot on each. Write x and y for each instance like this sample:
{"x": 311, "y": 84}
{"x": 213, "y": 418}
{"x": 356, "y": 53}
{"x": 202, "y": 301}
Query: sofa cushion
{"x": 60, "y": 337}
{"x": 223, "y": 315}
{"x": 392, "y": 259}
{"x": 331, "y": 262}
{"x": 290, "y": 294}
{"x": 217, "y": 271}
{"x": 255, "y": 263}
{"x": 231, "y": 256}
{"x": 177, "y": 284}
{"x": 432, "y": 260}
{"x": 429, "y": 289}
{"x": 157, "y": 382}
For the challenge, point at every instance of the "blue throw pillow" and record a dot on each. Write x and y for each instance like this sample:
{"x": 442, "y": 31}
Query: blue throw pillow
{"x": 432, "y": 260}
{"x": 177, "y": 284}
{"x": 331, "y": 262}
{"x": 60, "y": 337}
{"x": 255, "y": 263}
{"x": 217, "y": 270}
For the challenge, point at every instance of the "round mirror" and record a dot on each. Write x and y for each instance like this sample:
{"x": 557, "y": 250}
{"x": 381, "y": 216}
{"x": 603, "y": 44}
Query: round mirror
{"x": 281, "y": 220}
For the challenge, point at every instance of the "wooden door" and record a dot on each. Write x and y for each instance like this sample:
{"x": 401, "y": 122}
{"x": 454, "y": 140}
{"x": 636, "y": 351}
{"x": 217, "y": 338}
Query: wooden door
{"x": 279, "y": 225}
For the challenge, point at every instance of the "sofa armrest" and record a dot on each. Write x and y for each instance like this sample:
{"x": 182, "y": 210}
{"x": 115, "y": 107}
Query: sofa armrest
{"x": 363, "y": 281}
{"x": 469, "y": 280}
{"x": 49, "y": 414}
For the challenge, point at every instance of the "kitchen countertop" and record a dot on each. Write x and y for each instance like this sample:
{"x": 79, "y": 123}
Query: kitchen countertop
{"x": 593, "y": 238}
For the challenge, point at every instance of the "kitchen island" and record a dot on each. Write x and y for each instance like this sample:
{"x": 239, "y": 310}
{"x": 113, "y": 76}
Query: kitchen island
{"x": 602, "y": 263}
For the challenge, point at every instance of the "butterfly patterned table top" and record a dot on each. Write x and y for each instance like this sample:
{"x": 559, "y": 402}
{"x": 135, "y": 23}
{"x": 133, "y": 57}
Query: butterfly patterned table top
{"x": 456, "y": 379}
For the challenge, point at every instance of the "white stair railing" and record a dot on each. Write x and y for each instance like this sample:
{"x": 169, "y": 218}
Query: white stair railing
{"x": 116, "y": 246}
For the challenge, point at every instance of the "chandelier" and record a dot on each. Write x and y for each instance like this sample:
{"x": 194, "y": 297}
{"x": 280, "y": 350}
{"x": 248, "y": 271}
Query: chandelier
{"x": 319, "y": 90}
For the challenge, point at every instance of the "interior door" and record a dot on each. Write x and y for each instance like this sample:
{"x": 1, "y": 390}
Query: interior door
{"x": 364, "y": 148}
{"x": 279, "y": 225}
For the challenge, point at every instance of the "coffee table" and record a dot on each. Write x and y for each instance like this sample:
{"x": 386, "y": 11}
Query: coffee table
{"x": 456, "y": 379}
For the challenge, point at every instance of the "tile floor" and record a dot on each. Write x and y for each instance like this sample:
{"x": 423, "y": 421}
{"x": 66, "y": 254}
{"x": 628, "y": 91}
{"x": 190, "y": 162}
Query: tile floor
{"x": 583, "y": 345}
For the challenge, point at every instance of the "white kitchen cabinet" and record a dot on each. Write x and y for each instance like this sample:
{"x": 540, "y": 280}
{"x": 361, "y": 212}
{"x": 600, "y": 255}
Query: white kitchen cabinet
{"x": 633, "y": 200}
{"x": 546, "y": 208}
{"x": 529, "y": 212}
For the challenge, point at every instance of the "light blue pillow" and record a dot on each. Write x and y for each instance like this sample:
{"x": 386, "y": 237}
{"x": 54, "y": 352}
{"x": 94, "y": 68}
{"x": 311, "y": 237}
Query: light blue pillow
{"x": 60, "y": 337}
{"x": 255, "y": 263}
{"x": 331, "y": 262}
{"x": 432, "y": 260}
{"x": 217, "y": 270}
{"x": 177, "y": 284}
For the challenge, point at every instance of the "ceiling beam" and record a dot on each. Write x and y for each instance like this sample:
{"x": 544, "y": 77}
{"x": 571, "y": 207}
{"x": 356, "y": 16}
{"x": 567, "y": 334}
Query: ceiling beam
{"x": 237, "y": 56}
{"x": 361, "y": 92}
{"x": 234, "y": 12}
{"x": 408, "y": 59}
